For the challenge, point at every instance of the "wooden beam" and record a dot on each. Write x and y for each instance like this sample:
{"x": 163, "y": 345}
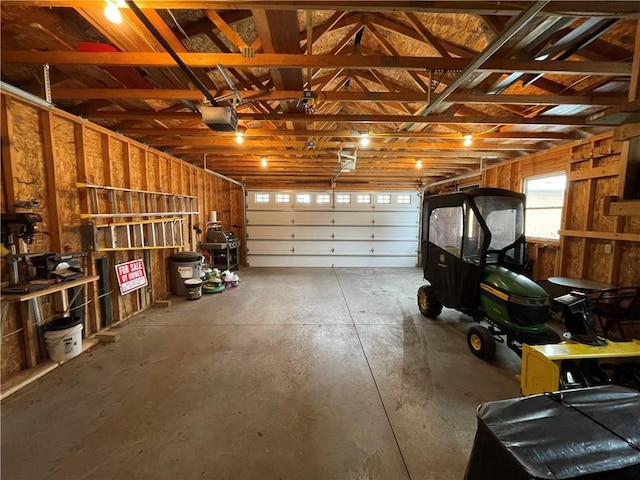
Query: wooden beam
{"x": 626, "y": 237}
{"x": 567, "y": 8}
{"x": 335, "y": 96}
{"x": 626, "y": 132}
{"x": 275, "y": 60}
{"x": 82, "y": 176}
{"x": 418, "y": 146}
{"x": 254, "y": 132}
{"x": 8, "y": 159}
{"x": 392, "y": 119}
{"x": 613, "y": 206}
{"x": 50, "y": 164}
{"x": 239, "y": 152}
{"x": 278, "y": 31}
{"x": 229, "y": 32}
{"x": 426, "y": 35}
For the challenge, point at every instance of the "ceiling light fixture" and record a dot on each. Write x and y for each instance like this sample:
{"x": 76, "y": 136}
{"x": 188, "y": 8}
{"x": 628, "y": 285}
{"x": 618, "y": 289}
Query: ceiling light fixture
{"x": 468, "y": 138}
{"x": 112, "y": 12}
{"x": 239, "y": 137}
{"x": 364, "y": 140}
{"x": 419, "y": 164}
{"x": 263, "y": 162}
{"x": 542, "y": 56}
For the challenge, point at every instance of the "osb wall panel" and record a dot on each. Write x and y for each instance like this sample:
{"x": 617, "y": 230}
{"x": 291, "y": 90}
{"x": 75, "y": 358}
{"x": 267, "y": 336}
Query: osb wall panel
{"x": 629, "y": 273}
{"x": 632, "y": 224}
{"x": 599, "y": 262}
{"x": 572, "y": 257}
{"x": 11, "y": 351}
{"x": 157, "y": 269}
{"x": 547, "y": 261}
{"x": 152, "y": 172}
{"x": 29, "y": 180}
{"x": 93, "y": 155}
{"x": 137, "y": 176}
{"x": 137, "y": 172}
{"x": 66, "y": 191}
{"x": 544, "y": 260}
{"x": 185, "y": 173}
{"x": 603, "y": 187}
{"x": 128, "y": 303}
{"x": 505, "y": 177}
{"x": 175, "y": 177}
{"x": 544, "y": 163}
{"x": 116, "y": 151}
{"x": 577, "y": 205}
{"x": 164, "y": 174}
{"x": 489, "y": 177}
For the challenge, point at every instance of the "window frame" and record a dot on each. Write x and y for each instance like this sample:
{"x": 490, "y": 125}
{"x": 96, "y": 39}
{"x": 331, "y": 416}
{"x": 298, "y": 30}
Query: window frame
{"x": 528, "y": 209}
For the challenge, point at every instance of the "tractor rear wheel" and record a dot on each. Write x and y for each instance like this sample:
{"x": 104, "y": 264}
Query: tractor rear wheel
{"x": 428, "y": 304}
{"x": 481, "y": 342}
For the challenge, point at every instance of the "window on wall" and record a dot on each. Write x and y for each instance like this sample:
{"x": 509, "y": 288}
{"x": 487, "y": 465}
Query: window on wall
{"x": 406, "y": 199}
{"x": 303, "y": 198}
{"x": 363, "y": 198}
{"x": 545, "y": 199}
{"x": 343, "y": 198}
{"x": 323, "y": 198}
{"x": 283, "y": 198}
{"x": 262, "y": 198}
{"x": 384, "y": 198}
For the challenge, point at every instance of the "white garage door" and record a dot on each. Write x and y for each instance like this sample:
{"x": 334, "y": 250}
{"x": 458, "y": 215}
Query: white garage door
{"x": 296, "y": 228}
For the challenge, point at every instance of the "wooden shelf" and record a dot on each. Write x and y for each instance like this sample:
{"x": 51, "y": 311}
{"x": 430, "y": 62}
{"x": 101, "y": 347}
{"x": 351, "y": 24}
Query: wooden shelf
{"x": 21, "y": 297}
{"x": 624, "y": 237}
{"x": 29, "y": 331}
{"x": 623, "y": 208}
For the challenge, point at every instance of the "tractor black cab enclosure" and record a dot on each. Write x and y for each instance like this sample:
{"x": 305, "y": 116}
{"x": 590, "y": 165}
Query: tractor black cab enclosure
{"x": 473, "y": 256}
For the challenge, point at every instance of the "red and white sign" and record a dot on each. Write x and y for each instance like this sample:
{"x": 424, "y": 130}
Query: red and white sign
{"x": 131, "y": 276}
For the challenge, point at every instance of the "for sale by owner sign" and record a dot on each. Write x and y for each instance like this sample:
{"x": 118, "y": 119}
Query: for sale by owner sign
{"x": 131, "y": 276}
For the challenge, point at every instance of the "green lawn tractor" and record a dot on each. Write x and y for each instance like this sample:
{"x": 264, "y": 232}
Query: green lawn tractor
{"x": 473, "y": 258}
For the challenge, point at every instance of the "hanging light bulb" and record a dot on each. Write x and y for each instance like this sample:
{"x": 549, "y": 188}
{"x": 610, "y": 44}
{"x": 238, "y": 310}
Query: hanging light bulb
{"x": 468, "y": 139}
{"x": 419, "y": 164}
{"x": 263, "y": 162}
{"x": 112, "y": 12}
{"x": 364, "y": 140}
{"x": 239, "y": 137}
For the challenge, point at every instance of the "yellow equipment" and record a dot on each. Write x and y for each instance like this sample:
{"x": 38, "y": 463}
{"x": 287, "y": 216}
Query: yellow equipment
{"x": 542, "y": 365}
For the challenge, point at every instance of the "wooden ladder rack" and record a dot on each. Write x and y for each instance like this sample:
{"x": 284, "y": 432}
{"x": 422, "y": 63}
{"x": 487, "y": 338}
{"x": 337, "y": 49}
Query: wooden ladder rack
{"x": 154, "y": 219}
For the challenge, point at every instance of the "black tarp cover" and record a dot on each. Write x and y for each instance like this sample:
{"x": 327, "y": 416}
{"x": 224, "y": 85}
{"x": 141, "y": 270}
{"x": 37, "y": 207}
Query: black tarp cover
{"x": 589, "y": 433}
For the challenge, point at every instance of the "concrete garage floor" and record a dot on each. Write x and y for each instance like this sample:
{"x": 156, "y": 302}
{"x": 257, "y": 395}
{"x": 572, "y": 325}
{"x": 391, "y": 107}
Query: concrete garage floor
{"x": 296, "y": 374}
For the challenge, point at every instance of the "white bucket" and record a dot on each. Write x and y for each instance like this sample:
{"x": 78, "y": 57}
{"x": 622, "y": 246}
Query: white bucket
{"x": 63, "y": 345}
{"x": 194, "y": 288}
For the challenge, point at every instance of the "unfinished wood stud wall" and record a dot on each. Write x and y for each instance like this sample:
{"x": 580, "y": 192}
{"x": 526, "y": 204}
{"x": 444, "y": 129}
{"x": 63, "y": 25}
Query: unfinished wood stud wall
{"x": 45, "y": 153}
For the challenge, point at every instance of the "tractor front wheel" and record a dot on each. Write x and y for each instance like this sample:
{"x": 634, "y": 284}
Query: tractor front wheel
{"x": 428, "y": 304}
{"x": 481, "y": 342}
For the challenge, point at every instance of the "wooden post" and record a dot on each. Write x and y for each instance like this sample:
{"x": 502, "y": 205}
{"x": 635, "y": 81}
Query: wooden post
{"x": 92, "y": 324}
{"x": 8, "y": 167}
{"x": 135, "y": 299}
{"x": 49, "y": 155}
